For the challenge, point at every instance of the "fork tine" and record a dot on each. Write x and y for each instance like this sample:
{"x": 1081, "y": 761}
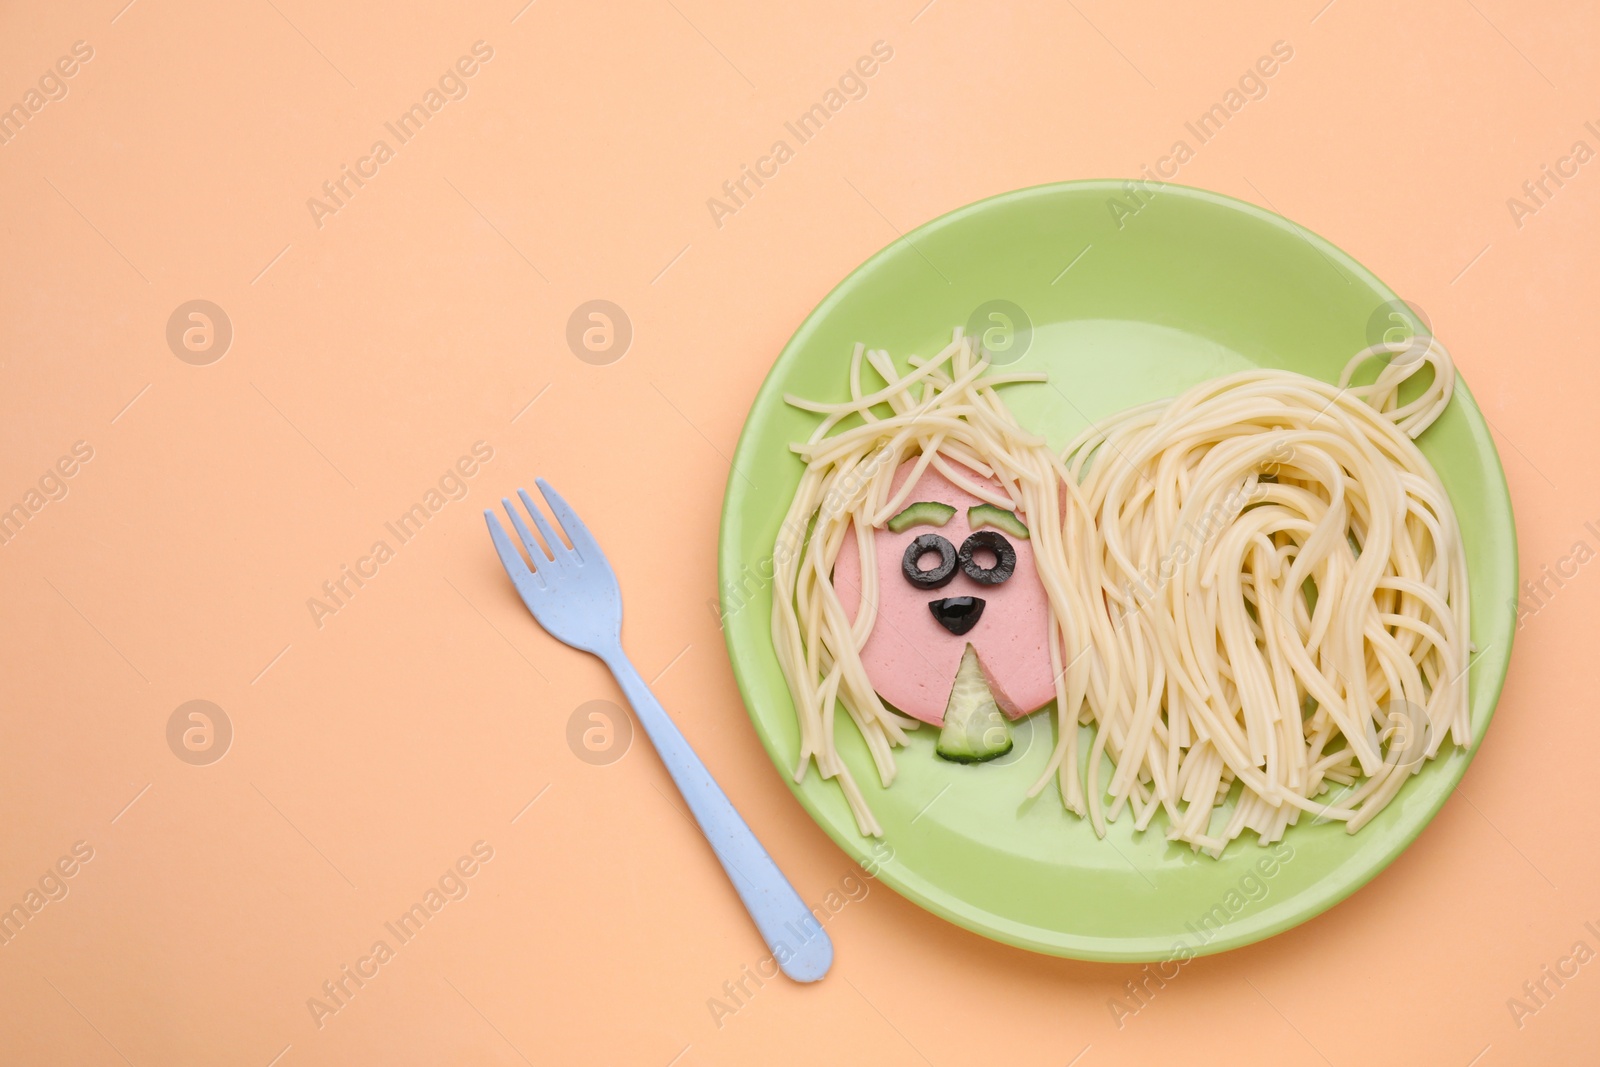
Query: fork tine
{"x": 516, "y": 567}
{"x": 535, "y": 553}
{"x": 557, "y": 547}
{"x": 583, "y": 543}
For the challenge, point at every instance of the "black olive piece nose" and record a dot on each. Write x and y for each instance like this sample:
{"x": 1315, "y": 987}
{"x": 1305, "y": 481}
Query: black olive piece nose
{"x": 958, "y": 614}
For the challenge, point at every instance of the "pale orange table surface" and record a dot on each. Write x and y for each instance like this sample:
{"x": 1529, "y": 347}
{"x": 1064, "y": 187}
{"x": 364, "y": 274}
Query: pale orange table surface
{"x": 180, "y": 512}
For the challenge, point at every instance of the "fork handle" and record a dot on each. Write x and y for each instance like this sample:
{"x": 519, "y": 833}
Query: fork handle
{"x": 798, "y": 943}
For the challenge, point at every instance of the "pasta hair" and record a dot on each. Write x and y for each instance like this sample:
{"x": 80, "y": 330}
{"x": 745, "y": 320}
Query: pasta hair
{"x": 1189, "y": 535}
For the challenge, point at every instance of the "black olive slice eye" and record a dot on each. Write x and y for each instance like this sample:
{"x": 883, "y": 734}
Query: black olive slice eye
{"x": 940, "y": 573}
{"x": 992, "y": 541}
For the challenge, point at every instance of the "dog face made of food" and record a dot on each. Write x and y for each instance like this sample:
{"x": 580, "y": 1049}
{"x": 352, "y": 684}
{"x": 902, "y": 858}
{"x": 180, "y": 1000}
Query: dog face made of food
{"x": 951, "y": 572}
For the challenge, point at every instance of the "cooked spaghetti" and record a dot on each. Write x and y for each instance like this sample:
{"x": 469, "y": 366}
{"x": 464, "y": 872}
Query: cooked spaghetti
{"x": 1257, "y": 590}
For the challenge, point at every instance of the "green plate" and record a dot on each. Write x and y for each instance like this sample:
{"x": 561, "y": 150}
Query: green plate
{"x": 1119, "y": 306}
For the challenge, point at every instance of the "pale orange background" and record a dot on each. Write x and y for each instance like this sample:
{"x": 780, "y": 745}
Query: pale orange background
{"x": 371, "y": 753}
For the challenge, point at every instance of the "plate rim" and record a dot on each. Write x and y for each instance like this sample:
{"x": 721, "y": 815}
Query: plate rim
{"x": 908, "y": 883}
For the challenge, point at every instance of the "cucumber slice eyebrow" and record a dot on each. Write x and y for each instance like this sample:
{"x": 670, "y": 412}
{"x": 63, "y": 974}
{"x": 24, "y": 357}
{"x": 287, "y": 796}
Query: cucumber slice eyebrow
{"x": 975, "y": 729}
{"x": 922, "y": 513}
{"x": 1000, "y": 519}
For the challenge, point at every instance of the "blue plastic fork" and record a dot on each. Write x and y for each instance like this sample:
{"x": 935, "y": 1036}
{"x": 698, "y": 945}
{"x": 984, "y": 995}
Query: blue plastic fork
{"x": 573, "y": 594}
